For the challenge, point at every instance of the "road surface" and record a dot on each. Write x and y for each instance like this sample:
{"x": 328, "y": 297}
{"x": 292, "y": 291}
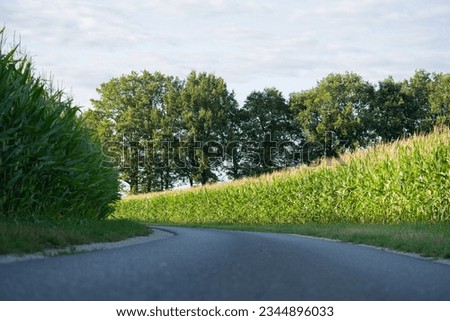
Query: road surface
{"x": 205, "y": 264}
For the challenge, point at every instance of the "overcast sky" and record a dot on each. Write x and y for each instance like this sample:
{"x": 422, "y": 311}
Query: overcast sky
{"x": 252, "y": 44}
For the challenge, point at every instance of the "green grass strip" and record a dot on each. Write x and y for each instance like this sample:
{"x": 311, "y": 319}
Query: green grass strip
{"x": 34, "y": 237}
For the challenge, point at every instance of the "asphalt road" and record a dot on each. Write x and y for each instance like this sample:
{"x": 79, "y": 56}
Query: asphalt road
{"x": 198, "y": 264}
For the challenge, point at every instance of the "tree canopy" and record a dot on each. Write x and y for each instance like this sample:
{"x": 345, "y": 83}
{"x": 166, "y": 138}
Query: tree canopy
{"x": 162, "y": 131}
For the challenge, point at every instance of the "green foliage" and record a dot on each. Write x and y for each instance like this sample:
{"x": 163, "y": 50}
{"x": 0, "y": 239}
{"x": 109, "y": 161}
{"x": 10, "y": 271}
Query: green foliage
{"x": 50, "y": 167}
{"x": 133, "y": 119}
{"x": 344, "y": 112}
{"x": 207, "y": 109}
{"x": 418, "y": 102}
{"x": 400, "y": 109}
{"x": 440, "y": 99}
{"x": 269, "y": 131}
{"x": 331, "y": 113}
{"x": 388, "y": 116}
{"x": 157, "y": 128}
{"x": 408, "y": 181}
{"x": 162, "y": 131}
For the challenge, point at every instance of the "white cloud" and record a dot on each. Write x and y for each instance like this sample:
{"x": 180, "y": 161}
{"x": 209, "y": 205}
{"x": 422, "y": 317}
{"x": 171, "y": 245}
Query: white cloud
{"x": 252, "y": 44}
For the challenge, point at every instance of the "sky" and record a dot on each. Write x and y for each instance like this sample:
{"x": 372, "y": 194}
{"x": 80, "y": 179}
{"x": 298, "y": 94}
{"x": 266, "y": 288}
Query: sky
{"x": 251, "y": 44}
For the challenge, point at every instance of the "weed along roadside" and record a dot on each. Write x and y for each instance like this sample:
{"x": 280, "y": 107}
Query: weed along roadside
{"x": 394, "y": 195}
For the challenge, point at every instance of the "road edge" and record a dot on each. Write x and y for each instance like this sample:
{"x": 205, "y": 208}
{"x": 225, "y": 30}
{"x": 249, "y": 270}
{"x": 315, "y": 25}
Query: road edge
{"x": 156, "y": 234}
{"x": 385, "y": 249}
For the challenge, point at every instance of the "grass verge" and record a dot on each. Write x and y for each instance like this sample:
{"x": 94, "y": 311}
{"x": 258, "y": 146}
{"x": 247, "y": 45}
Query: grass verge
{"x": 34, "y": 237}
{"x": 429, "y": 240}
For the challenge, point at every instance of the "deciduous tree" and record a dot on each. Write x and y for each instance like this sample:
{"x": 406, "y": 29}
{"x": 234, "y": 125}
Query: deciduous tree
{"x": 130, "y": 118}
{"x": 331, "y": 113}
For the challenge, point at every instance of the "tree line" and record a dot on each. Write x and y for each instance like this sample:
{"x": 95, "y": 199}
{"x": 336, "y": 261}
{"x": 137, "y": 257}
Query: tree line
{"x": 160, "y": 130}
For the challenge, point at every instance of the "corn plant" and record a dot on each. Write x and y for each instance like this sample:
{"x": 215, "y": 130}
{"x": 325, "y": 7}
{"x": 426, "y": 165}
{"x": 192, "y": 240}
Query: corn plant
{"x": 50, "y": 167}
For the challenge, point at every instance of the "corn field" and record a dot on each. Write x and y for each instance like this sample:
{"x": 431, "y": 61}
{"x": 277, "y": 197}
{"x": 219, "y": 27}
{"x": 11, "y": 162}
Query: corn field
{"x": 50, "y": 167}
{"x": 406, "y": 181}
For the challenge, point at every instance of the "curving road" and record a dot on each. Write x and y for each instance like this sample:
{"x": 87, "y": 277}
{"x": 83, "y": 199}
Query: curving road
{"x": 205, "y": 264}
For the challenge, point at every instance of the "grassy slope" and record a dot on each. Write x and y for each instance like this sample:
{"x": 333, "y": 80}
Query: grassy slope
{"x": 408, "y": 181}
